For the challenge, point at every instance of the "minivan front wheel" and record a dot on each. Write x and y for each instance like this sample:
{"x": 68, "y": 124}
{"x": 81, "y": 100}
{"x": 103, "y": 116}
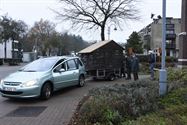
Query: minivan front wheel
{"x": 46, "y": 91}
{"x": 81, "y": 81}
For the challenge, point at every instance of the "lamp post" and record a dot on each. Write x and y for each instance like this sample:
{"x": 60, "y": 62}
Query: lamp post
{"x": 163, "y": 73}
{"x": 109, "y": 30}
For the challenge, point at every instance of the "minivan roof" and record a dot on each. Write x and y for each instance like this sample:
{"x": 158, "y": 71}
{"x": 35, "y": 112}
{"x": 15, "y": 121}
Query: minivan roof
{"x": 60, "y": 57}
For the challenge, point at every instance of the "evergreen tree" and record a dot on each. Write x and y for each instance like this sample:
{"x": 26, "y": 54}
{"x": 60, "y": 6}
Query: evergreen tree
{"x": 135, "y": 43}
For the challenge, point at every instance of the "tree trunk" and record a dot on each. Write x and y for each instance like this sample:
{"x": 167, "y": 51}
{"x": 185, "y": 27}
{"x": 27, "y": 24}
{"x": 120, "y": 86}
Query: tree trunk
{"x": 103, "y": 33}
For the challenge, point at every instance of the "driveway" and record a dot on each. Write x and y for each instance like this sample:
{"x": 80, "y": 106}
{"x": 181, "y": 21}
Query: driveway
{"x": 58, "y": 110}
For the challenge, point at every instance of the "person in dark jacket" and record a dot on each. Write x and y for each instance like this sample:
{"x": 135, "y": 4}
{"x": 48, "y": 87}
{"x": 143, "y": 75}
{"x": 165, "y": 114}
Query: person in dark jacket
{"x": 128, "y": 66}
{"x": 123, "y": 68}
{"x": 135, "y": 66}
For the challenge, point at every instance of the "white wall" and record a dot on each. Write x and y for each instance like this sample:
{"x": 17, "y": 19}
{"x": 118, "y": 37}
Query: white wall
{"x": 8, "y": 50}
{"x": 2, "y": 50}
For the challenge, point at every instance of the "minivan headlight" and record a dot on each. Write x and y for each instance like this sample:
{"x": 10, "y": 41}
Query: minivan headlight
{"x": 29, "y": 83}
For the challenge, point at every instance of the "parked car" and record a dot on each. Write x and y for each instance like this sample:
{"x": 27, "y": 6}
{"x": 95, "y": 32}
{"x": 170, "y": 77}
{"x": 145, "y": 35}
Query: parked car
{"x": 42, "y": 77}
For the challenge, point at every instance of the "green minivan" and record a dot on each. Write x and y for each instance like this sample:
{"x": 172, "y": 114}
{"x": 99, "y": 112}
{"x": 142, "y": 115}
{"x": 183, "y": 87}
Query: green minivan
{"x": 42, "y": 77}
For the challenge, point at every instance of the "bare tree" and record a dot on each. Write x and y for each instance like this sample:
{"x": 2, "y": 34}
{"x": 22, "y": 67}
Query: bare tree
{"x": 98, "y": 13}
{"x": 41, "y": 33}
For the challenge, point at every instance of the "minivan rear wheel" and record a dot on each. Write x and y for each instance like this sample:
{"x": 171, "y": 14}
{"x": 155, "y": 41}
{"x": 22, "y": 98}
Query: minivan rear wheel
{"x": 46, "y": 91}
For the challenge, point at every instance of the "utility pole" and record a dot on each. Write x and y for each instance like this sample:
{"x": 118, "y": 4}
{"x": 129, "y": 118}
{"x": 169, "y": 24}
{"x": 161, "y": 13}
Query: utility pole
{"x": 163, "y": 73}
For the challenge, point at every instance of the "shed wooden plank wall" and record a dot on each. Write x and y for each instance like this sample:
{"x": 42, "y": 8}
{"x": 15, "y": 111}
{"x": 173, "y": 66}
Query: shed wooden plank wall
{"x": 109, "y": 56}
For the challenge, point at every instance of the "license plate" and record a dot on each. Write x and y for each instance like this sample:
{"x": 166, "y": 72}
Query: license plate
{"x": 9, "y": 89}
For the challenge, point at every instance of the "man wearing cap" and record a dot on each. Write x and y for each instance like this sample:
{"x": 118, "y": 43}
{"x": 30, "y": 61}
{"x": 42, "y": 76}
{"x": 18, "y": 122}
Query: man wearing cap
{"x": 152, "y": 61}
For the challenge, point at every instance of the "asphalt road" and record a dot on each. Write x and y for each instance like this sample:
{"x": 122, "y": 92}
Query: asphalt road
{"x": 58, "y": 110}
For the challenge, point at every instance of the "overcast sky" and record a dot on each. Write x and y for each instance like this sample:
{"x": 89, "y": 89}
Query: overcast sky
{"x": 31, "y": 11}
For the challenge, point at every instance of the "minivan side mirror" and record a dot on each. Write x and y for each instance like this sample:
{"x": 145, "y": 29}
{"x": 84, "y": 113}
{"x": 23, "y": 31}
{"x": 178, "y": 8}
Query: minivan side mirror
{"x": 59, "y": 70}
{"x": 62, "y": 70}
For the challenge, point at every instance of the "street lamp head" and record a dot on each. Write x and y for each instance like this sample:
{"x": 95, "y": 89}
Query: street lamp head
{"x": 159, "y": 17}
{"x": 109, "y": 30}
{"x": 152, "y": 15}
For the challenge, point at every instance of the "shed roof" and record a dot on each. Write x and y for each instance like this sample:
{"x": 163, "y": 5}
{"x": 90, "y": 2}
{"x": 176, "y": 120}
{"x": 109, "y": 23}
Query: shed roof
{"x": 95, "y": 46}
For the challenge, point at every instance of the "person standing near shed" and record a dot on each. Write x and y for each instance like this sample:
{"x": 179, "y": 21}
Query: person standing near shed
{"x": 152, "y": 60}
{"x": 135, "y": 66}
{"x": 128, "y": 66}
{"x": 123, "y": 67}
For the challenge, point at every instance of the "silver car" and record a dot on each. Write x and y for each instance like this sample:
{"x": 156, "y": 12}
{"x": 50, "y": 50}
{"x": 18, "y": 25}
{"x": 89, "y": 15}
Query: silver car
{"x": 42, "y": 77}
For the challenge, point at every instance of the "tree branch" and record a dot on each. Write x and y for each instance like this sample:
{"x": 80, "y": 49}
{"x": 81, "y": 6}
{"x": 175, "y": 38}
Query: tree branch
{"x": 93, "y": 13}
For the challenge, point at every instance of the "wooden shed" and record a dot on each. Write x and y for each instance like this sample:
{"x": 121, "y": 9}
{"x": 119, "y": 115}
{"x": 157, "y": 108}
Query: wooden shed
{"x": 103, "y": 59}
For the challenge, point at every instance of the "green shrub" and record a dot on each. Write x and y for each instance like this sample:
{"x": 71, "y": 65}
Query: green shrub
{"x": 175, "y": 74}
{"x": 144, "y": 68}
{"x": 171, "y": 59}
{"x": 110, "y": 105}
{"x": 173, "y": 111}
{"x": 135, "y": 103}
{"x": 177, "y": 97}
{"x": 143, "y": 58}
{"x": 97, "y": 110}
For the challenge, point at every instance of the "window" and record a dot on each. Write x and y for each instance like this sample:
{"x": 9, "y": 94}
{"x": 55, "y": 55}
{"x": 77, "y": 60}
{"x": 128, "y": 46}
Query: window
{"x": 78, "y": 63}
{"x": 168, "y": 41}
{"x": 59, "y": 62}
{"x": 40, "y": 65}
{"x": 62, "y": 66}
{"x": 168, "y": 21}
{"x": 71, "y": 65}
{"x": 170, "y": 32}
{"x": 170, "y": 26}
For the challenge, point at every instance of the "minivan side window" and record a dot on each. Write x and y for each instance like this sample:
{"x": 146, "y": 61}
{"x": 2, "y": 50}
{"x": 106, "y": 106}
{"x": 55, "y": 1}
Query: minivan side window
{"x": 61, "y": 66}
{"x": 71, "y": 65}
{"x": 78, "y": 62}
{"x": 59, "y": 62}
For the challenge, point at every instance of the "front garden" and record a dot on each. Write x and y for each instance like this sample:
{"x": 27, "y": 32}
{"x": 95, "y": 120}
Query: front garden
{"x": 136, "y": 103}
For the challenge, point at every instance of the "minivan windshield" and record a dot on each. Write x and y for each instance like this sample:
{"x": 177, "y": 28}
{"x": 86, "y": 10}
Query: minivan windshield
{"x": 39, "y": 65}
